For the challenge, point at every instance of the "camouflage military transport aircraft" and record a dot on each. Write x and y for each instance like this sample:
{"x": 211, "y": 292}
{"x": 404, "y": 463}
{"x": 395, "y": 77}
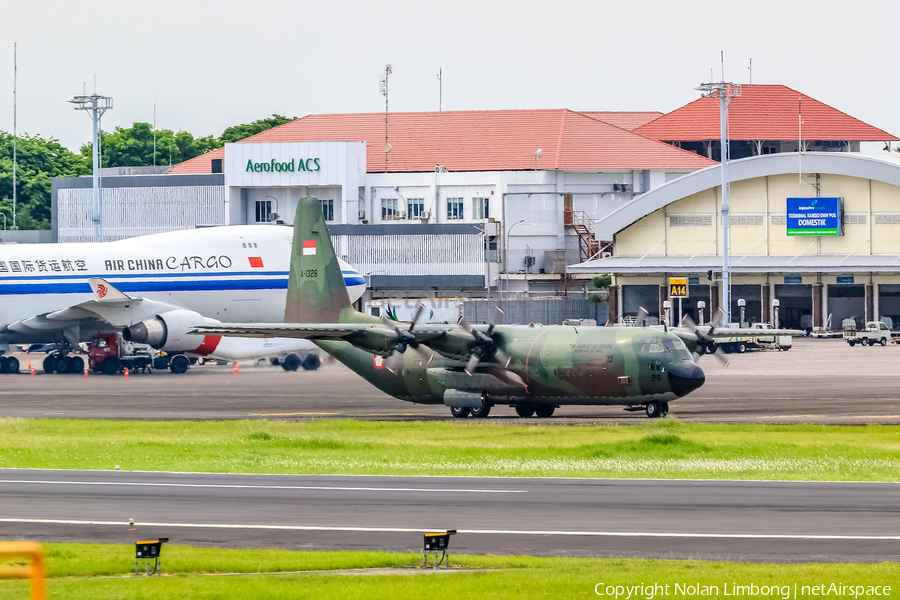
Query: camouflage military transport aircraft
{"x": 534, "y": 369}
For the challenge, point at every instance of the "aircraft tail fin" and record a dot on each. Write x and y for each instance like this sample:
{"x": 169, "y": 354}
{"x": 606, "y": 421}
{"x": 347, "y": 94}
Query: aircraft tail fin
{"x": 316, "y": 291}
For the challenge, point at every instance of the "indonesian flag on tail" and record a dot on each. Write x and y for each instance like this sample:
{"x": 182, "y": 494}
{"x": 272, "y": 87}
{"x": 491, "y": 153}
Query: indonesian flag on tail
{"x": 309, "y": 248}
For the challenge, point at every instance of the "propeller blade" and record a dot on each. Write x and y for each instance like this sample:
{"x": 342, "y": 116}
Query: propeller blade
{"x": 395, "y": 361}
{"x": 721, "y": 358}
{"x": 465, "y": 325}
{"x": 501, "y": 357}
{"x": 643, "y": 317}
{"x": 473, "y": 363}
{"x": 498, "y": 316}
{"x": 417, "y": 315}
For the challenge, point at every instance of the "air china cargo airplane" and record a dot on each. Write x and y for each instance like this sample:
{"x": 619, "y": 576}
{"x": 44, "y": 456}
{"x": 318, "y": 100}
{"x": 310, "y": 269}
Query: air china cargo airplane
{"x": 152, "y": 288}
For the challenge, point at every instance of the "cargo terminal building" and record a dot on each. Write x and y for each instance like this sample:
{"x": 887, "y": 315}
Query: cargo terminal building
{"x": 819, "y": 232}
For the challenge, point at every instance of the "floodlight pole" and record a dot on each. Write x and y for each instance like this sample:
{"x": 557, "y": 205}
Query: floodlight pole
{"x": 98, "y": 105}
{"x": 725, "y": 93}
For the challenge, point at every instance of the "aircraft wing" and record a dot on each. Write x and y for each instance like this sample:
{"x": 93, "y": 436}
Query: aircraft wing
{"x": 374, "y": 337}
{"x": 109, "y": 305}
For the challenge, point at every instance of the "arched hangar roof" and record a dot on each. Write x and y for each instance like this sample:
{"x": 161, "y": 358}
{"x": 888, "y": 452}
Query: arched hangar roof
{"x": 885, "y": 169}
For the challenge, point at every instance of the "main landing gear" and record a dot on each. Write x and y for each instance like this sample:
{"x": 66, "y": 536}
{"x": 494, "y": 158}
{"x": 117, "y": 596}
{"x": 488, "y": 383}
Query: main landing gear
{"x": 461, "y": 412}
{"x": 657, "y": 409}
{"x": 59, "y": 362}
{"x": 9, "y": 364}
{"x": 542, "y": 411}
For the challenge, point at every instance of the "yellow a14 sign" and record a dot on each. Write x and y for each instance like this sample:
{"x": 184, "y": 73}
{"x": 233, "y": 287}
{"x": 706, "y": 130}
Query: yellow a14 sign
{"x": 678, "y": 287}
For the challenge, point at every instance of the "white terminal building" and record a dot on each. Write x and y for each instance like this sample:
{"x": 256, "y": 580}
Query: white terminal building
{"x": 538, "y": 202}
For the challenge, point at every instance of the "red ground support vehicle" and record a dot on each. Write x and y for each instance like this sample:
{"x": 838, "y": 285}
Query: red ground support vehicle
{"x": 110, "y": 354}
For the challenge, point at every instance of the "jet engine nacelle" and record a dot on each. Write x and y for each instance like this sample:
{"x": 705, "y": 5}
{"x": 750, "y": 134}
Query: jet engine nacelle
{"x": 168, "y": 331}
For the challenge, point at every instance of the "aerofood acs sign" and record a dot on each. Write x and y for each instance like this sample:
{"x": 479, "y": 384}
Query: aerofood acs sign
{"x": 813, "y": 216}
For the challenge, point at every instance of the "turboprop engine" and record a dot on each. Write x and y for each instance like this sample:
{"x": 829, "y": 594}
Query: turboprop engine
{"x": 168, "y": 331}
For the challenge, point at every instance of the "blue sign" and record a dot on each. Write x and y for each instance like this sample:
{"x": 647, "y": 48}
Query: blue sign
{"x": 693, "y": 281}
{"x": 793, "y": 279}
{"x": 814, "y": 216}
{"x": 847, "y": 279}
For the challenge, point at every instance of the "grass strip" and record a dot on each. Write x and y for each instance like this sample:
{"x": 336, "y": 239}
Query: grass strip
{"x": 72, "y": 566}
{"x": 666, "y": 449}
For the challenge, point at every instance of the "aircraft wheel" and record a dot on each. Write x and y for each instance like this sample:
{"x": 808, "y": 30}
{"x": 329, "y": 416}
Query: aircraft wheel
{"x": 179, "y": 364}
{"x": 75, "y": 364}
{"x": 311, "y": 362}
{"x": 884, "y": 341}
{"x": 60, "y": 364}
{"x": 291, "y": 362}
{"x": 653, "y": 409}
{"x": 741, "y": 348}
{"x": 481, "y": 413}
{"x": 110, "y": 366}
{"x": 545, "y": 411}
{"x": 12, "y": 365}
{"x": 525, "y": 411}
{"x": 2, "y": 364}
{"x": 459, "y": 412}
{"x": 48, "y": 364}
{"x": 664, "y": 408}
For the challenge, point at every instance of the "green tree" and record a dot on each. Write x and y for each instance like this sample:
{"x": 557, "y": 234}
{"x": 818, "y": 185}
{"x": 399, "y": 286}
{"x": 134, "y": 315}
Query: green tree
{"x": 599, "y": 285}
{"x": 135, "y": 146}
{"x": 239, "y": 132}
{"x": 39, "y": 160}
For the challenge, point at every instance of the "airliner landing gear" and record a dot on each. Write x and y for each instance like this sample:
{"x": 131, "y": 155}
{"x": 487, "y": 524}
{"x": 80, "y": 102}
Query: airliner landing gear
{"x": 9, "y": 364}
{"x": 525, "y": 411}
{"x": 459, "y": 412}
{"x": 664, "y": 408}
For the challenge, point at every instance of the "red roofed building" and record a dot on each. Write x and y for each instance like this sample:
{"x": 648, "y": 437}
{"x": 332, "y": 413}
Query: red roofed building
{"x": 764, "y": 119}
{"x": 499, "y": 140}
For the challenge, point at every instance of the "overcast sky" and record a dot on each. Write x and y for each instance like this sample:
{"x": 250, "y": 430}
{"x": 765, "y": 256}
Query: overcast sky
{"x": 215, "y": 64}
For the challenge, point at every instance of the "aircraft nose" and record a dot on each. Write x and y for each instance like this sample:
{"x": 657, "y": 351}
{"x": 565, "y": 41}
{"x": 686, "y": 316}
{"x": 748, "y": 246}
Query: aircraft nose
{"x": 685, "y": 377}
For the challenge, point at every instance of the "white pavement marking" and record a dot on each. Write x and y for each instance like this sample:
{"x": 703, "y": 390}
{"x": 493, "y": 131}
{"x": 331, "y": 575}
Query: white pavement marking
{"x": 757, "y": 536}
{"x": 265, "y": 487}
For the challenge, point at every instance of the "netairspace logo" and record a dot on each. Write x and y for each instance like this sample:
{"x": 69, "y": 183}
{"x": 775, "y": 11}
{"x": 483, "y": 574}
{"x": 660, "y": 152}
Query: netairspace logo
{"x": 735, "y": 590}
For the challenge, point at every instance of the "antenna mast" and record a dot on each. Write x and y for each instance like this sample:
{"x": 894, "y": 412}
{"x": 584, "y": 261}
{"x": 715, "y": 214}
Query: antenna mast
{"x": 384, "y": 90}
{"x": 724, "y": 93}
{"x": 440, "y": 88}
{"x": 97, "y": 105}
{"x": 751, "y": 71}
{"x": 15, "y": 107}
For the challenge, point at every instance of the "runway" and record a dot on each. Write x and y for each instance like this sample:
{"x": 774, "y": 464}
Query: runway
{"x": 722, "y": 520}
{"x": 818, "y": 381}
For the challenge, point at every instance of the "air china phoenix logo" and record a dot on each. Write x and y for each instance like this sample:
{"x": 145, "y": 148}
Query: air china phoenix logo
{"x": 101, "y": 290}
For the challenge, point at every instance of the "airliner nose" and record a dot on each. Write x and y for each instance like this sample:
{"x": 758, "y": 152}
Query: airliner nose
{"x": 685, "y": 377}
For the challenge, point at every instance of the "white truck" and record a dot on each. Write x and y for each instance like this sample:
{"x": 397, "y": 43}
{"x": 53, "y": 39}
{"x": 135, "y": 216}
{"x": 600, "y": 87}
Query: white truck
{"x": 741, "y": 344}
{"x": 876, "y": 332}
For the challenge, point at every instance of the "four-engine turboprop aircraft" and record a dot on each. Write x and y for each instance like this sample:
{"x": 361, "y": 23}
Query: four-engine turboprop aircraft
{"x": 153, "y": 288}
{"x": 472, "y": 368}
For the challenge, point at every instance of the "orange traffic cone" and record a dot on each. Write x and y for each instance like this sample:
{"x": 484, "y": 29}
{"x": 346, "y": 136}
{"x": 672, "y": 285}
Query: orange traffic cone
{"x": 85, "y": 372}
{"x": 126, "y": 372}
{"x": 29, "y": 366}
{"x": 235, "y": 368}
{"x": 32, "y": 370}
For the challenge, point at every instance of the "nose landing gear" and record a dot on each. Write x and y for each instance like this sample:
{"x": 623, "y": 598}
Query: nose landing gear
{"x": 657, "y": 409}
